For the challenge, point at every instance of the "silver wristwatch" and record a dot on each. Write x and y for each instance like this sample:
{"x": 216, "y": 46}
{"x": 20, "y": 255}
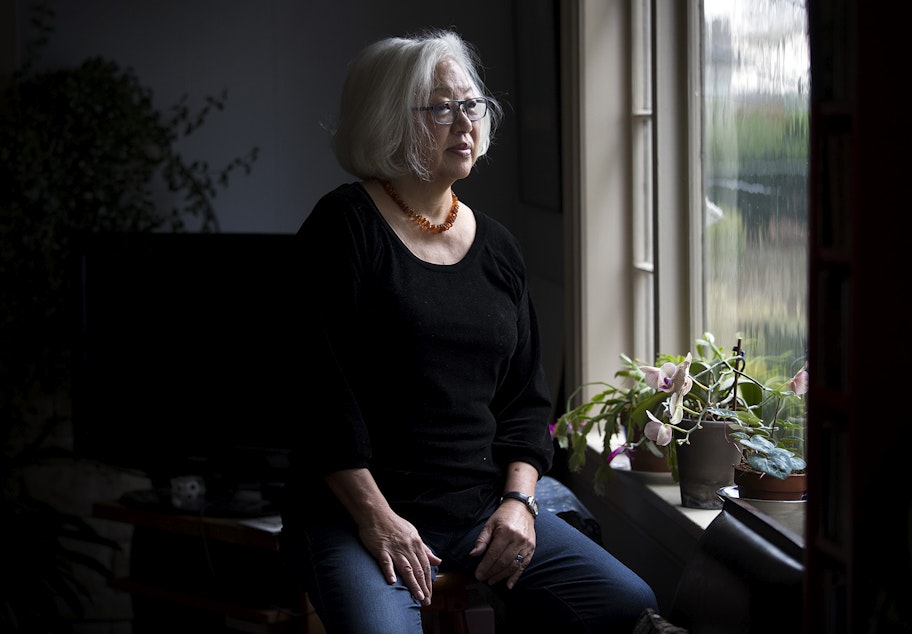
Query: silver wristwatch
{"x": 530, "y": 502}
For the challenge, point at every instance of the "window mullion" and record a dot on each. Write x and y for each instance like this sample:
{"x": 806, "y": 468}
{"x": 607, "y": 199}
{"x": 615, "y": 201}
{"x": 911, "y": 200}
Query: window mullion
{"x": 643, "y": 182}
{"x": 696, "y": 196}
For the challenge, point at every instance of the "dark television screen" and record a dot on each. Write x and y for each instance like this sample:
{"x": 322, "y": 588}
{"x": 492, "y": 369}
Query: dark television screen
{"x": 184, "y": 355}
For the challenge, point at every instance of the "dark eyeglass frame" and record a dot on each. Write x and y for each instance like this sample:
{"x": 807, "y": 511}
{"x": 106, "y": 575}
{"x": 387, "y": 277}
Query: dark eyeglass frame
{"x": 455, "y": 107}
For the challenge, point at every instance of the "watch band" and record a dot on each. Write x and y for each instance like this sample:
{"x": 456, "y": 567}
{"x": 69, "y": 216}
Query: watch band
{"x": 530, "y": 502}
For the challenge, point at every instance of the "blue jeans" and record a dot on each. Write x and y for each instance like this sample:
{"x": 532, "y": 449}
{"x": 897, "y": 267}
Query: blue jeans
{"x": 571, "y": 585}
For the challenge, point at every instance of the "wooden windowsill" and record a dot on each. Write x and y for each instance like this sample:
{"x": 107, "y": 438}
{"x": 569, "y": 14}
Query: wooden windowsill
{"x": 667, "y": 489}
{"x": 662, "y": 484}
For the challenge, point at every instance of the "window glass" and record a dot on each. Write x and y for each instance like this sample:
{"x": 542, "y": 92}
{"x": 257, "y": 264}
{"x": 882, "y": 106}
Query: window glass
{"x": 756, "y": 72}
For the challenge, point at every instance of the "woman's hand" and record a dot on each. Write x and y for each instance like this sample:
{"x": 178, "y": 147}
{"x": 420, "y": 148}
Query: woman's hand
{"x": 393, "y": 541}
{"x": 396, "y": 545}
{"x": 508, "y": 543}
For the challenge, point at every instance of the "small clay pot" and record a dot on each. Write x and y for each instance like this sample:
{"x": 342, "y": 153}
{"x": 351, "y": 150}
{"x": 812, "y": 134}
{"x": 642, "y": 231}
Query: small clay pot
{"x": 755, "y": 485}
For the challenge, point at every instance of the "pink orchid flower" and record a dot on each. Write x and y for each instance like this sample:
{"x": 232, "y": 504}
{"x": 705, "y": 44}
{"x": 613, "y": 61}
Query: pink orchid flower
{"x": 799, "y": 382}
{"x": 614, "y": 453}
{"x": 657, "y": 431}
{"x": 671, "y": 378}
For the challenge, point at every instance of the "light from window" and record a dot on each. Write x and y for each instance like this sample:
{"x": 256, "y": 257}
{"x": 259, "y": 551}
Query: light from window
{"x": 756, "y": 69}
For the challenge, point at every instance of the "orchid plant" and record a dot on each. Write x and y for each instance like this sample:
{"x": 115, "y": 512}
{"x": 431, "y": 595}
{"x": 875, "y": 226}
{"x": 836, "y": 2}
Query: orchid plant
{"x": 653, "y": 404}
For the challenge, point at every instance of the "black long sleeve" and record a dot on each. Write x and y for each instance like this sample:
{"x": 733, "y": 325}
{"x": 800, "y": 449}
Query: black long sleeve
{"x": 429, "y": 375}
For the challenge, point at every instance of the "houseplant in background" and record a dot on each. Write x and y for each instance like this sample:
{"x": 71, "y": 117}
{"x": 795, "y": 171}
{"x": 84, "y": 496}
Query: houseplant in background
{"x": 672, "y": 404}
{"x": 82, "y": 150}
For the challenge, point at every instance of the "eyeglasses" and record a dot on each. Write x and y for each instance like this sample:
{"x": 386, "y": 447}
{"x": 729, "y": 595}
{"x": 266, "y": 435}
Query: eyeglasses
{"x": 447, "y": 112}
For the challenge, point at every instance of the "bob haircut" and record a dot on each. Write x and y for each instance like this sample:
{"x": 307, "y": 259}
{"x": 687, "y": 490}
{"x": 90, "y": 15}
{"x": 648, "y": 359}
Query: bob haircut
{"x": 378, "y": 133}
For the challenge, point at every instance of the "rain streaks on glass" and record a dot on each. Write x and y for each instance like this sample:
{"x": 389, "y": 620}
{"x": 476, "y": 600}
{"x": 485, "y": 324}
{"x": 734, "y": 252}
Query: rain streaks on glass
{"x": 756, "y": 88}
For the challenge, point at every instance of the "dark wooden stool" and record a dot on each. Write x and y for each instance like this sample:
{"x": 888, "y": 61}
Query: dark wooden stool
{"x": 449, "y": 605}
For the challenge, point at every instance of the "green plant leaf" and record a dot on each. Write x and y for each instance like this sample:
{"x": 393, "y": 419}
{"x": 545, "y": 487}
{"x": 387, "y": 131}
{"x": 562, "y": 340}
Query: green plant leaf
{"x": 750, "y": 392}
{"x": 638, "y": 417}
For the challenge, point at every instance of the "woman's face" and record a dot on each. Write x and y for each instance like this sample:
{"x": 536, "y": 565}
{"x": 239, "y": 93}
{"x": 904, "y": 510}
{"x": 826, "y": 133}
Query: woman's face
{"x": 455, "y": 145}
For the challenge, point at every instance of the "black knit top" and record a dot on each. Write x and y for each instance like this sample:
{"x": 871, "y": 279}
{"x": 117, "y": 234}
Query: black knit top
{"x": 429, "y": 375}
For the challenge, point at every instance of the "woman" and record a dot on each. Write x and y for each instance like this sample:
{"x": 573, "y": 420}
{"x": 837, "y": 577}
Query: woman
{"x": 426, "y": 404}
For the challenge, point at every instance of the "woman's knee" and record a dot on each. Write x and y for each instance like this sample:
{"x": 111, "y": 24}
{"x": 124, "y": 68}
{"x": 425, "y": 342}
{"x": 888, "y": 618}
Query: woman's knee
{"x": 369, "y": 608}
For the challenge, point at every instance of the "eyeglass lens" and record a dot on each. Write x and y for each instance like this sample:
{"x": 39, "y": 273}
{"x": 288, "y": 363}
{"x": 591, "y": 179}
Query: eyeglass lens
{"x": 447, "y": 111}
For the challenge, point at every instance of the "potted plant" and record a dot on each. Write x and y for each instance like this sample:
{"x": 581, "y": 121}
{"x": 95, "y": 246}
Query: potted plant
{"x": 644, "y": 409}
{"x": 771, "y": 467}
{"x": 614, "y": 412}
{"x": 664, "y": 405}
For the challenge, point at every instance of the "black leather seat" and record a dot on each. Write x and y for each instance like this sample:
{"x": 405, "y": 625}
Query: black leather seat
{"x": 745, "y": 575}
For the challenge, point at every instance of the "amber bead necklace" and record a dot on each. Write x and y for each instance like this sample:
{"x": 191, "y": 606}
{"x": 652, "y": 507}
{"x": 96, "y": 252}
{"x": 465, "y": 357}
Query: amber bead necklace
{"x": 420, "y": 220}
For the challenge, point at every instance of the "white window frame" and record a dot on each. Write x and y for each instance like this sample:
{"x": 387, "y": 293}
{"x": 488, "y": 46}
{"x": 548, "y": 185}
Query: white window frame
{"x": 607, "y": 194}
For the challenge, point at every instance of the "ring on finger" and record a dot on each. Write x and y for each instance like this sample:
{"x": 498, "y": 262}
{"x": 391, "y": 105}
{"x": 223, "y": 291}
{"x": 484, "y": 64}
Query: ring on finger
{"x": 519, "y": 559}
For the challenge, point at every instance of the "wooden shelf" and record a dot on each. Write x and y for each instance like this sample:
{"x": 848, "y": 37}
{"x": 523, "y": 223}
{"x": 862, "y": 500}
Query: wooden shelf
{"x": 186, "y": 566}
{"x": 227, "y": 530}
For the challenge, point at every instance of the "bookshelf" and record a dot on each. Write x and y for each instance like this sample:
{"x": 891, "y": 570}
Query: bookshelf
{"x": 858, "y": 556}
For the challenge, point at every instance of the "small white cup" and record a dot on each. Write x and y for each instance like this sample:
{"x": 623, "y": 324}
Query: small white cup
{"x": 188, "y": 492}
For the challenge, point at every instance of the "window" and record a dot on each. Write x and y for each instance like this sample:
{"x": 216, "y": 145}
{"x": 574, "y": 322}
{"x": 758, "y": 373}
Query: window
{"x": 755, "y": 102}
{"x": 692, "y": 180}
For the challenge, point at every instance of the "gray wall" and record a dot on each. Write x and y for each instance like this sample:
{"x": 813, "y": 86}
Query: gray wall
{"x": 283, "y": 62}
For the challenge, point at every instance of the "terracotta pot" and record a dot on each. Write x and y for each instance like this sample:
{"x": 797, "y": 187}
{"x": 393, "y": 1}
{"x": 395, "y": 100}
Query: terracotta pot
{"x": 760, "y": 486}
{"x": 706, "y": 464}
{"x": 642, "y": 459}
